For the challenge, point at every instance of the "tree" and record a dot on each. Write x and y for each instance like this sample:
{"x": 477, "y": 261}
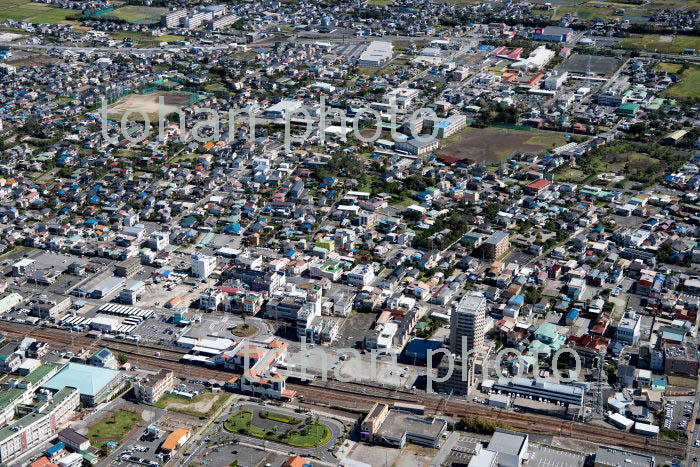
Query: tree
{"x": 122, "y": 359}
{"x": 33, "y": 126}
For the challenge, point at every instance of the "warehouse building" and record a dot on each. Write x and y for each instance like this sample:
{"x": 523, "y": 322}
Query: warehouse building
{"x": 511, "y": 446}
{"x": 613, "y": 457}
{"x": 554, "y": 33}
{"x": 377, "y": 53}
{"x": 107, "y": 287}
{"x": 282, "y": 108}
{"x": 9, "y": 301}
{"x": 104, "y": 324}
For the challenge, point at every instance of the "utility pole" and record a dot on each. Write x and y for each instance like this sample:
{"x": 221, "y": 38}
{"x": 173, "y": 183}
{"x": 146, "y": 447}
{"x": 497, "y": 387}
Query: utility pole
{"x": 599, "y": 395}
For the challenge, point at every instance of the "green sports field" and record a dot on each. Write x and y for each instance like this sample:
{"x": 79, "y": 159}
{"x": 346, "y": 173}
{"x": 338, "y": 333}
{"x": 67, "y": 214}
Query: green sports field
{"x": 138, "y": 14}
{"x": 659, "y": 43}
{"x": 22, "y": 10}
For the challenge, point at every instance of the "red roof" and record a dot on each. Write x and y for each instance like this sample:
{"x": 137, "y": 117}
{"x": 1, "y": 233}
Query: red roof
{"x": 41, "y": 462}
{"x": 539, "y": 184}
{"x": 296, "y": 461}
{"x": 449, "y": 160}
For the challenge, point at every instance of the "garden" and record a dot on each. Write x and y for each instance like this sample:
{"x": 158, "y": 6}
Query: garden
{"x": 279, "y": 427}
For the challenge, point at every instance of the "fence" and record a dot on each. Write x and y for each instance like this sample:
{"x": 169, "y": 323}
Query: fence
{"x": 115, "y": 95}
{"x": 511, "y": 127}
{"x": 93, "y": 13}
{"x": 195, "y": 94}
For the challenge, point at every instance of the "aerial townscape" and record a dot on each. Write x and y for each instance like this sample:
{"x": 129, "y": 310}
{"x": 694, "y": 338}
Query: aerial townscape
{"x": 349, "y": 233}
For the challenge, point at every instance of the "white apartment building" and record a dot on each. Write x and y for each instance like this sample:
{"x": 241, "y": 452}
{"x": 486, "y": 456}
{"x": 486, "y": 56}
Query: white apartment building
{"x": 196, "y": 19}
{"x": 468, "y": 320}
{"x": 203, "y": 266}
{"x": 38, "y": 426}
{"x": 361, "y": 275}
{"x": 629, "y": 328}
{"x": 172, "y": 19}
{"x": 149, "y": 390}
{"x": 221, "y": 23}
{"x": 158, "y": 241}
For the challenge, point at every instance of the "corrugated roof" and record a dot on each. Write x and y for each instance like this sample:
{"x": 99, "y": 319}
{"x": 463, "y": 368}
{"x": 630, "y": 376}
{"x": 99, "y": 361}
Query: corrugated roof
{"x": 174, "y": 438}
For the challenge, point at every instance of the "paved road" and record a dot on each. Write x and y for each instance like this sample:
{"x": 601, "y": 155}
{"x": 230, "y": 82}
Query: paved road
{"x": 120, "y": 49}
{"x": 203, "y": 433}
{"x": 323, "y": 452}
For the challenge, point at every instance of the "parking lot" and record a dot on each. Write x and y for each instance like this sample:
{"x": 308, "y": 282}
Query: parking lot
{"x": 159, "y": 331}
{"x": 354, "y": 329}
{"x": 215, "y": 325}
{"x": 542, "y": 456}
{"x": 144, "y": 449}
{"x": 222, "y": 454}
{"x": 677, "y": 413}
{"x": 519, "y": 257}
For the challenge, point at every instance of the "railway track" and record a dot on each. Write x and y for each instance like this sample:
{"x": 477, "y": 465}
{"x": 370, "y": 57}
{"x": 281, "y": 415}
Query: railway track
{"x": 357, "y": 395}
{"x": 531, "y": 423}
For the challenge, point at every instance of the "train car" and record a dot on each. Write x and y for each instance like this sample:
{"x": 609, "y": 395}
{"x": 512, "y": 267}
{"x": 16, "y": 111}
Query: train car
{"x": 296, "y": 377}
{"x": 195, "y": 359}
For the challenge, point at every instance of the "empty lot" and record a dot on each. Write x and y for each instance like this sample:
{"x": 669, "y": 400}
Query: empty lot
{"x": 494, "y": 144}
{"x": 149, "y": 103}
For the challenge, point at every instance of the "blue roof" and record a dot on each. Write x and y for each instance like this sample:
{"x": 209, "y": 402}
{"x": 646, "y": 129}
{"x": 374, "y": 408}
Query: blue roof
{"x": 55, "y": 448}
{"x": 90, "y": 380}
{"x": 103, "y": 353}
{"x": 518, "y": 299}
{"x": 418, "y": 347}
